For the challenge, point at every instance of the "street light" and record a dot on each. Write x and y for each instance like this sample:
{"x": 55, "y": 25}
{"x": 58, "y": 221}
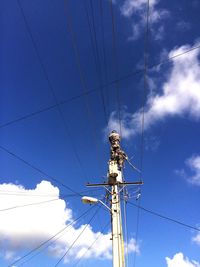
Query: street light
{"x": 93, "y": 200}
{"x": 89, "y": 200}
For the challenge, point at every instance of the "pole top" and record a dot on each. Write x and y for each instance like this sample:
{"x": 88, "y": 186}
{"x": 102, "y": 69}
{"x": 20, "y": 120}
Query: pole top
{"x": 114, "y": 136}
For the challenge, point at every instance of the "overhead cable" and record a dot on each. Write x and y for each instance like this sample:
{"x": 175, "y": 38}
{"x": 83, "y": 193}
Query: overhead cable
{"x": 137, "y": 230}
{"x": 115, "y": 63}
{"x": 38, "y": 170}
{"x": 99, "y": 61}
{"x": 52, "y": 237}
{"x": 57, "y": 237}
{"x": 39, "y": 203}
{"x": 125, "y": 227}
{"x": 29, "y": 194}
{"x": 67, "y": 131}
{"x": 105, "y": 67}
{"x": 83, "y": 80}
{"x": 165, "y": 217}
{"x": 92, "y": 245}
{"x": 124, "y": 77}
{"x": 151, "y": 66}
{"x": 95, "y": 50}
{"x": 29, "y": 204}
{"x": 145, "y": 87}
{"x": 76, "y": 239}
{"x": 32, "y": 114}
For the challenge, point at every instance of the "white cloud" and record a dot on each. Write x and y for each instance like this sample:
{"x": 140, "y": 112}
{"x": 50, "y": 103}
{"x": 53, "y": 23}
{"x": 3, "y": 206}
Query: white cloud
{"x": 180, "y": 95}
{"x": 137, "y": 8}
{"x": 27, "y": 227}
{"x": 131, "y": 6}
{"x": 133, "y": 246}
{"x": 193, "y": 164}
{"x": 180, "y": 261}
{"x": 196, "y": 239}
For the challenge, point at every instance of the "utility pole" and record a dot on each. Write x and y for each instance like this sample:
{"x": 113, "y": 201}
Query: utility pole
{"x": 117, "y": 234}
{"x": 117, "y": 157}
{"x": 114, "y": 186}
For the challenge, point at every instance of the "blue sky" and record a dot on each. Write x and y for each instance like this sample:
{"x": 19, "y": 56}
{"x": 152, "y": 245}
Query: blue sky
{"x": 39, "y": 69}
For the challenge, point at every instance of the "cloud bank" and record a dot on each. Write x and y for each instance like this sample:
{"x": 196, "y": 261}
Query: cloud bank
{"x": 180, "y": 96}
{"x": 180, "y": 261}
{"x": 27, "y": 227}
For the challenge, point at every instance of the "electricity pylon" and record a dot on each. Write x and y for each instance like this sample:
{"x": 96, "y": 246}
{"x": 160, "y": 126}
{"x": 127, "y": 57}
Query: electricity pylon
{"x": 114, "y": 186}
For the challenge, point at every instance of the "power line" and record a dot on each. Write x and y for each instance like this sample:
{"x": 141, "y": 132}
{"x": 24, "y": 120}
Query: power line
{"x": 28, "y": 194}
{"x": 98, "y": 236}
{"x": 44, "y": 247}
{"x": 72, "y": 244}
{"x": 137, "y": 231}
{"x": 32, "y": 114}
{"x": 81, "y": 75}
{"x": 47, "y": 245}
{"x": 151, "y": 66}
{"x": 51, "y": 87}
{"x": 10, "y": 193}
{"x": 115, "y": 61}
{"x": 124, "y": 77}
{"x": 165, "y": 217}
{"x": 99, "y": 62}
{"x": 145, "y": 87}
{"x": 95, "y": 51}
{"x": 49, "y": 239}
{"x": 38, "y": 170}
{"x": 145, "y": 84}
{"x": 91, "y": 35}
{"x": 105, "y": 67}
{"x": 125, "y": 228}
{"x": 77, "y": 55}
{"x": 30, "y": 204}
{"x": 38, "y": 203}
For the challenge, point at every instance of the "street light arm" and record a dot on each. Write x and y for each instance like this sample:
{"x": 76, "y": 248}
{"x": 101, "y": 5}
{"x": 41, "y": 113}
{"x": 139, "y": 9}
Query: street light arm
{"x": 104, "y": 204}
{"x": 92, "y": 200}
